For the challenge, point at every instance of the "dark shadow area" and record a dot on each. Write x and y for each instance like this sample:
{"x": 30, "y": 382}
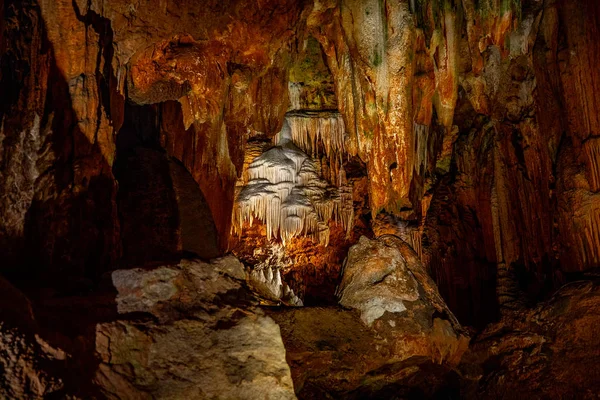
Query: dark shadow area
{"x": 146, "y": 199}
{"x": 430, "y": 381}
{"x": 162, "y": 210}
{"x": 70, "y": 230}
{"x": 457, "y": 243}
{"x": 63, "y": 234}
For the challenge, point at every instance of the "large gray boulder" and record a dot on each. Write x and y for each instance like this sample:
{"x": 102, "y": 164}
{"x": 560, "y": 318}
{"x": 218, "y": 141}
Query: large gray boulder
{"x": 386, "y": 283}
{"x": 206, "y": 338}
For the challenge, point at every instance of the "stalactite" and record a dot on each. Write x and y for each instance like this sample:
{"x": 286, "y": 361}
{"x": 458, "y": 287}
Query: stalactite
{"x": 285, "y": 190}
{"x": 507, "y": 288}
{"x": 313, "y": 130}
{"x": 420, "y": 135}
{"x": 295, "y": 91}
{"x": 592, "y": 153}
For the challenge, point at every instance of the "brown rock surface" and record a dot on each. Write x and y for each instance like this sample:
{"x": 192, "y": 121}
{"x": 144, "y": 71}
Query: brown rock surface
{"x": 548, "y": 352}
{"x": 30, "y": 367}
{"x": 482, "y": 162}
{"x": 399, "y": 327}
{"x": 474, "y": 120}
{"x": 68, "y": 70}
{"x": 211, "y": 341}
{"x": 475, "y": 125}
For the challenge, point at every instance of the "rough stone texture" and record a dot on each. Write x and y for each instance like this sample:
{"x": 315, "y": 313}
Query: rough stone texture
{"x": 401, "y": 328}
{"x": 167, "y": 291}
{"x": 477, "y": 122}
{"x": 466, "y": 116}
{"x": 310, "y": 269}
{"x": 190, "y": 360}
{"x": 367, "y": 45}
{"x": 375, "y": 280}
{"x": 29, "y": 366}
{"x": 384, "y": 280}
{"x": 66, "y": 66}
{"x": 190, "y": 330}
{"x": 211, "y": 342}
{"x": 548, "y": 352}
{"x": 311, "y": 85}
{"x": 227, "y": 72}
{"x": 56, "y": 146}
{"x": 230, "y": 349}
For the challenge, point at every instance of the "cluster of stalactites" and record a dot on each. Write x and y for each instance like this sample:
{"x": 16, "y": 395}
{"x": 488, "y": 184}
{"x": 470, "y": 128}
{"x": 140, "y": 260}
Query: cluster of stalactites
{"x": 285, "y": 191}
{"x": 421, "y": 137}
{"x": 311, "y": 128}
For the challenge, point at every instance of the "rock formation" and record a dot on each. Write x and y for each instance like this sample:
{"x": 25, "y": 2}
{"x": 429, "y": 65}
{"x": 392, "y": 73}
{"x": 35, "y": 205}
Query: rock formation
{"x": 285, "y": 191}
{"x": 207, "y": 344}
{"x": 335, "y": 194}
{"x": 393, "y": 319}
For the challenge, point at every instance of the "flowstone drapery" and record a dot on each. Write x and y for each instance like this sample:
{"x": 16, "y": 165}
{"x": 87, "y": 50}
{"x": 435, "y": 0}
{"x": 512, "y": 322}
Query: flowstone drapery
{"x": 285, "y": 190}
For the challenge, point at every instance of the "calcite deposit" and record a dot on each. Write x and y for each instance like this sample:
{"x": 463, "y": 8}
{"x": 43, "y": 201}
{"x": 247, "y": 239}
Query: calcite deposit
{"x": 285, "y": 190}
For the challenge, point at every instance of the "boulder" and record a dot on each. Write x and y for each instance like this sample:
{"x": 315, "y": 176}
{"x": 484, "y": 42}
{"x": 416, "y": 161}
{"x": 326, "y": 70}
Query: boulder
{"x": 203, "y": 337}
{"x": 168, "y": 292}
{"x": 385, "y": 281}
{"x": 392, "y": 333}
{"x": 550, "y": 351}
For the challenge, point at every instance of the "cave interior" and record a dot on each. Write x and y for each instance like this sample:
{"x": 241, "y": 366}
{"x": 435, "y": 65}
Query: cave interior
{"x": 299, "y": 199}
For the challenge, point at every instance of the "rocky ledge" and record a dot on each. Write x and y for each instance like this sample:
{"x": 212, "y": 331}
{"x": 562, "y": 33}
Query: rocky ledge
{"x": 199, "y": 330}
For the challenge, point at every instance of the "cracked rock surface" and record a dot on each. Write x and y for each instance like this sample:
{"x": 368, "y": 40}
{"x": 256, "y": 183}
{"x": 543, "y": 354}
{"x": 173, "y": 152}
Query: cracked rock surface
{"x": 210, "y": 341}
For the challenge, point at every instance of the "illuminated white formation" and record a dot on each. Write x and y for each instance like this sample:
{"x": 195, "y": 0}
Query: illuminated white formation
{"x": 308, "y": 128}
{"x": 284, "y": 190}
{"x": 267, "y": 281}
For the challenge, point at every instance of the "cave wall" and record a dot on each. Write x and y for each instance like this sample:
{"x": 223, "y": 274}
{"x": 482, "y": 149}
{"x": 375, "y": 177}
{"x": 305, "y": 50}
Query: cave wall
{"x": 59, "y": 193}
{"x": 478, "y": 123}
{"x": 68, "y": 70}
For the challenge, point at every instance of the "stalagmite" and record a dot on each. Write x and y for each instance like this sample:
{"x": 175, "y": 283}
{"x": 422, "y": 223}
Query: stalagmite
{"x": 269, "y": 283}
